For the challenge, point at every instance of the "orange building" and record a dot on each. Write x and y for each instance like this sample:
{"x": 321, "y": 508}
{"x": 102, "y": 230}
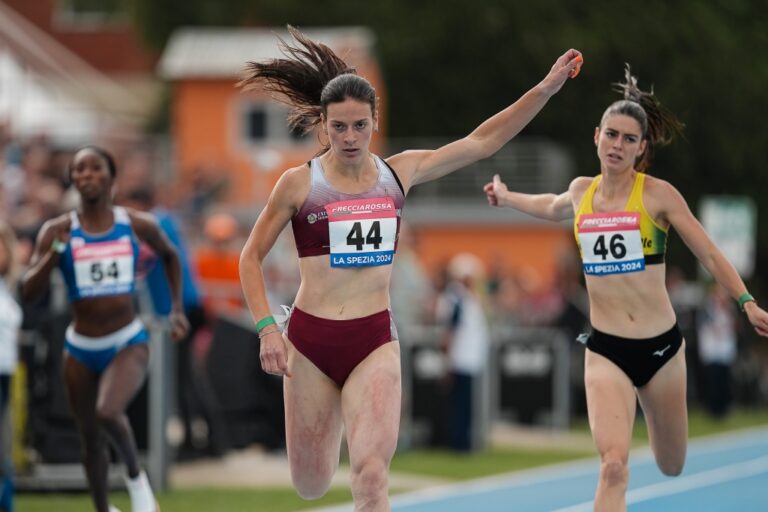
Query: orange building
{"x": 244, "y": 136}
{"x": 506, "y": 241}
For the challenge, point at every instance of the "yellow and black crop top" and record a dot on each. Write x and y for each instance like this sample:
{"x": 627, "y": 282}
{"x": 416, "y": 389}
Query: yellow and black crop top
{"x": 653, "y": 237}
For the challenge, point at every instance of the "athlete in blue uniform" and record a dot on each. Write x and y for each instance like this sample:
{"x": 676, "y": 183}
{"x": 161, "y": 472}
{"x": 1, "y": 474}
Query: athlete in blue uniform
{"x": 106, "y": 350}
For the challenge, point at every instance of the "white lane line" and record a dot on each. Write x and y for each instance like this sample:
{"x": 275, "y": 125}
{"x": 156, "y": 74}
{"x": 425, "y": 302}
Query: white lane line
{"x": 683, "y": 484}
{"x": 640, "y": 456}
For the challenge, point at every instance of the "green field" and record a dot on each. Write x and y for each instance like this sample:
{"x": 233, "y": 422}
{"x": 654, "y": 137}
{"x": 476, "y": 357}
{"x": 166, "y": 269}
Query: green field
{"x": 439, "y": 464}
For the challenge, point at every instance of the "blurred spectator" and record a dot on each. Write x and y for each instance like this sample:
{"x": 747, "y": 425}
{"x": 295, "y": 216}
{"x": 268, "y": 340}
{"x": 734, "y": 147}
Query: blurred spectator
{"x": 203, "y": 186}
{"x": 523, "y": 298}
{"x": 218, "y": 265}
{"x": 466, "y": 341}
{"x": 573, "y": 314}
{"x": 411, "y": 288}
{"x": 718, "y": 343}
{"x": 10, "y": 322}
{"x": 191, "y": 386}
{"x": 686, "y": 297}
{"x": 46, "y": 202}
{"x": 573, "y": 319}
{"x": 509, "y": 300}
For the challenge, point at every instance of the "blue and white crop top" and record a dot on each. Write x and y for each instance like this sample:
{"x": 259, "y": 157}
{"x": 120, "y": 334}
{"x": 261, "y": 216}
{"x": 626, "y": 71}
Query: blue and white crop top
{"x": 103, "y": 264}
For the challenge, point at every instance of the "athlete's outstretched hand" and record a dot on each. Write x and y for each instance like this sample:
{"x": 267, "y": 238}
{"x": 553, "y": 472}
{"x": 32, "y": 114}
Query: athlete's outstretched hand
{"x": 272, "y": 353}
{"x": 567, "y": 65}
{"x": 758, "y": 317}
{"x": 494, "y": 190}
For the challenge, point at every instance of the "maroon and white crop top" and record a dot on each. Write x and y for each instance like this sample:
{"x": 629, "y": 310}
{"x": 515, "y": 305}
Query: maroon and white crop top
{"x": 364, "y": 227}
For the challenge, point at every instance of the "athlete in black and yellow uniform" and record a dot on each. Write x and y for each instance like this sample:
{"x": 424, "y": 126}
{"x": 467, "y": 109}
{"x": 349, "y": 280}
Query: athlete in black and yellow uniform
{"x": 652, "y": 236}
{"x": 622, "y": 218}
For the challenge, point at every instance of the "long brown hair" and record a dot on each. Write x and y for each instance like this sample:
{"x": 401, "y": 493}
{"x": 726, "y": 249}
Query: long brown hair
{"x": 659, "y": 125}
{"x": 310, "y": 77}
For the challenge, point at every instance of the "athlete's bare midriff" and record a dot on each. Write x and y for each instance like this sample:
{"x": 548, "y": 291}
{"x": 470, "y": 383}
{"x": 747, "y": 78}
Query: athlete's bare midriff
{"x": 100, "y": 316}
{"x": 342, "y": 293}
{"x": 634, "y": 305}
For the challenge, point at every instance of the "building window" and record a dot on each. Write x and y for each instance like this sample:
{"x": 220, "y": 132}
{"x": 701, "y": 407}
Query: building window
{"x": 90, "y": 14}
{"x": 256, "y": 125}
{"x": 265, "y": 123}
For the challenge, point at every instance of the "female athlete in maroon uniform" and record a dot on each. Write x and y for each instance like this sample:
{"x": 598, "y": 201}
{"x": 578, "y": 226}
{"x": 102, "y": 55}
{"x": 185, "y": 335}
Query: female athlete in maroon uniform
{"x": 340, "y": 349}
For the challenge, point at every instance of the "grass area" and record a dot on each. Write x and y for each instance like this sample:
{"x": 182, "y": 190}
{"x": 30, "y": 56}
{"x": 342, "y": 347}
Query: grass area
{"x": 455, "y": 466}
{"x": 190, "y": 500}
{"x": 432, "y": 463}
{"x": 699, "y": 423}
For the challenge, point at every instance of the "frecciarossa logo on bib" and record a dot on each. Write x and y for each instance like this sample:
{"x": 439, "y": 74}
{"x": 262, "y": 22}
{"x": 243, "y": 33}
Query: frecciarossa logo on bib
{"x": 608, "y": 220}
{"x": 366, "y": 207}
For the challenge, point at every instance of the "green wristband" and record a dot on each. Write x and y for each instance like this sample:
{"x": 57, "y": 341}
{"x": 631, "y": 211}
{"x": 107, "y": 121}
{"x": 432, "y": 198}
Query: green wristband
{"x": 58, "y": 246}
{"x": 264, "y": 322}
{"x": 743, "y": 299}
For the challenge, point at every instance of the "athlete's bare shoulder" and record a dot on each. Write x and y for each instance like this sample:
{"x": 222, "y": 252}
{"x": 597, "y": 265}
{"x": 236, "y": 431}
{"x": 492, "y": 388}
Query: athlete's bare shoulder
{"x": 59, "y": 223}
{"x": 660, "y": 197}
{"x": 580, "y": 183}
{"x": 55, "y": 228}
{"x": 139, "y": 216}
{"x": 292, "y": 187}
{"x": 654, "y": 185}
{"x": 578, "y": 187}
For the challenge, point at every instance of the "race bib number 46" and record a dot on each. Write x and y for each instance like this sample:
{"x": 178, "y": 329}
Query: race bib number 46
{"x": 611, "y": 243}
{"x": 362, "y": 232}
{"x": 103, "y": 268}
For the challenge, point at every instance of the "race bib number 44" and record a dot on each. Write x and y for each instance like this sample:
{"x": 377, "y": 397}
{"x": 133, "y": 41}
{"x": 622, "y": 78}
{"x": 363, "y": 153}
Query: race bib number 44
{"x": 362, "y": 232}
{"x": 611, "y": 243}
{"x": 103, "y": 268}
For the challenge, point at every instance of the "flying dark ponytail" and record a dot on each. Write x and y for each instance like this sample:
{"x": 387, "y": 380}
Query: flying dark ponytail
{"x": 309, "y": 78}
{"x": 659, "y": 125}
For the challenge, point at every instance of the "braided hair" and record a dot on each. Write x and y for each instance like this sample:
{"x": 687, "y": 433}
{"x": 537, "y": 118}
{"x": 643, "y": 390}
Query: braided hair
{"x": 308, "y": 79}
{"x": 659, "y": 126}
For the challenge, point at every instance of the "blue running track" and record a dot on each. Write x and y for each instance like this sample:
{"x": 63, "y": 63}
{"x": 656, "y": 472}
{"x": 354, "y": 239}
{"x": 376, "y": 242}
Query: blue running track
{"x": 723, "y": 473}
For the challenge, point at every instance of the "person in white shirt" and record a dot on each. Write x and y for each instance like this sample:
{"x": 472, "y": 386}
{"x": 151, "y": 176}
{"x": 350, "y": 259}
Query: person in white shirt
{"x": 465, "y": 342}
{"x": 10, "y": 322}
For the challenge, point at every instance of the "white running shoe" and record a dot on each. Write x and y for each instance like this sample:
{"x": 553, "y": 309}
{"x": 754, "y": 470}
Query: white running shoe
{"x": 113, "y": 508}
{"x": 142, "y": 497}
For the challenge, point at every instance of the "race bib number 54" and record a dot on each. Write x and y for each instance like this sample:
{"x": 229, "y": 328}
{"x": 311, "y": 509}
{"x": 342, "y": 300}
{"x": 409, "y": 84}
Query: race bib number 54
{"x": 103, "y": 268}
{"x": 362, "y": 232}
{"x": 611, "y": 243}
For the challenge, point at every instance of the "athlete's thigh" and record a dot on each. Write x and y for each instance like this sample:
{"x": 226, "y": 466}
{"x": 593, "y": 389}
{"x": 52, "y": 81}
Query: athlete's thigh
{"x": 123, "y": 377}
{"x": 313, "y": 424}
{"x": 371, "y": 405}
{"x": 81, "y": 384}
{"x": 611, "y": 404}
{"x": 664, "y": 404}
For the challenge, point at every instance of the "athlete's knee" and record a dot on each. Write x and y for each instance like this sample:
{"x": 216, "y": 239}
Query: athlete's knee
{"x": 671, "y": 467}
{"x": 108, "y": 415}
{"x": 370, "y": 477}
{"x": 614, "y": 470}
{"x": 312, "y": 484}
{"x": 310, "y": 487}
